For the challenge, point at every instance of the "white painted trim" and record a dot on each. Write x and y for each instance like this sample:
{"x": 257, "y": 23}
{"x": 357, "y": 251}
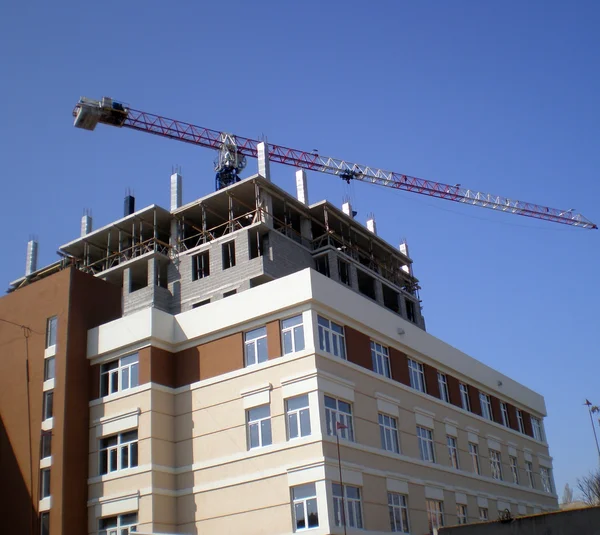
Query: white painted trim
{"x": 47, "y": 424}
{"x": 48, "y": 385}
{"x": 482, "y": 502}
{"x": 257, "y": 396}
{"x": 50, "y": 351}
{"x": 117, "y": 423}
{"x": 544, "y": 461}
{"x": 434, "y": 493}
{"x": 397, "y": 485}
{"x": 461, "y": 498}
{"x": 46, "y": 462}
{"x": 45, "y": 504}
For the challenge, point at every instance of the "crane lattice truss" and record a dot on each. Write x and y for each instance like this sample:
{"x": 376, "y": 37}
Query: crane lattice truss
{"x": 89, "y": 112}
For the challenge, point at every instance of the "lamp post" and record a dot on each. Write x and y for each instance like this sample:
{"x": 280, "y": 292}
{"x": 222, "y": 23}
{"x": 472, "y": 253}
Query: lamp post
{"x": 593, "y": 409}
{"x": 340, "y": 426}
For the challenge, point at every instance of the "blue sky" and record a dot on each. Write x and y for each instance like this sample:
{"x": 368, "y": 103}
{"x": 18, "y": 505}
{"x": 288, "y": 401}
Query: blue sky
{"x": 498, "y": 96}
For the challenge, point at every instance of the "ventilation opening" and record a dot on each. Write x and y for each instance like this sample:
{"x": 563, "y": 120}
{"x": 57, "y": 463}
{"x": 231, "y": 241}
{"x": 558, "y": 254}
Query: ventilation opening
{"x": 138, "y": 277}
{"x": 228, "y": 251}
{"x": 201, "y": 303}
{"x": 322, "y": 265}
{"x": 344, "y": 272}
{"x": 366, "y": 284}
{"x": 410, "y": 310}
{"x": 258, "y": 243}
{"x": 161, "y": 275}
{"x": 200, "y": 265}
{"x": 390, "y": 299}
{"x": 231, "y": 292}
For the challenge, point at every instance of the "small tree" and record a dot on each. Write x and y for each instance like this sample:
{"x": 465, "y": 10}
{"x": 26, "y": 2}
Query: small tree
{"x": 589, "y": 486}
{"x": 567, "y": 496}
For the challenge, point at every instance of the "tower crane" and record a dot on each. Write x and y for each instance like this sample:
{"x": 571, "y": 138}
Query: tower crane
{"x": 233, "y": 150}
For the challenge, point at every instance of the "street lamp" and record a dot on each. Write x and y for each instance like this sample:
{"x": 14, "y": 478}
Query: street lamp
{"x": 593, "y": 409}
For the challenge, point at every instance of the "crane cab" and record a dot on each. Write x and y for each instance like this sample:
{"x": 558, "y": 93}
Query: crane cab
{"x": 88, "y": 113}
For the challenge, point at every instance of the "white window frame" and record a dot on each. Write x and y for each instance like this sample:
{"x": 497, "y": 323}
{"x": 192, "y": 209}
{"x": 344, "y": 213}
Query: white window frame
{"x": 443, "y": 386}
{"x": 298, "y": 418}
{"x": 461, "y": 514}
{"x": 504, "y": 413}
{"x": 292, "y": 334}
{"x": 417, "y": 375}
{"x": 484, "y": 513}
{"x": 123, "y": 527}
{"x": 331, "y": 337}
{"x": 256, "y": 349}
{"x": 426, "y": 444}
{"x": 486, "y": 406}
{"x": 388, "y": 431}
{"x": 496, "y": 464}
{"x": 51, "y": 331}
{"x": 398, "y": 509}
{"x": 546, "y": 479}
{"x": 538, "y": 429}
{"x": 452, "y": 451}
{"x": 262, "y": 424}
{"x": 474, "y": 453}
{"x": 380, "y": 356}
{"x": 353, "y": 515}
{"x": 120, "y": 374}
{"x": 520, "y": 421}
{"x": 464, "y": 396}
{"x": 307, "y": 503}
{"x": 342, "y": 413}
{"x": 435, "y": 514}
{"x": 125, "y": 445}
{"x": 514, "y": 468}
{"x": 530, "y": 476}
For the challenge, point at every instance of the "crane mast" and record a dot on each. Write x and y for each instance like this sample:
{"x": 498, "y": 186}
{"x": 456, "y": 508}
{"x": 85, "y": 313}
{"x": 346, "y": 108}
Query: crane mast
{"x": 233, "y": 151}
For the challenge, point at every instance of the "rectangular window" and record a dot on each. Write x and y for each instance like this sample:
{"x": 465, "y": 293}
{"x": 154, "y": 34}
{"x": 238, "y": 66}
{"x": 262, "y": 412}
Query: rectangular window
{"x": 298, "y": 417}
{"x": 229, "y": 293}
{"x": 443, "y": 386}
{"x": 398, "y": 508}
{"x": 118, "y": 375}
{"x": 452, "y": 451}
{"x": 474, "y": 453}
{"x": 49, "y": 368}
{"x": 426, "y": 447}
{"x": 496, "y": 464}
{"x": 529, "y": 470}
{"x": 48, "y": 405}
{"x": 520, "y": 421}
{"x": 200, "y": 266}
{"x": 486, "y": 406}
{"x": 388, "y": 430}
{"x": 45, "y": 523}
{"x": 381, "y": 359}
{"x": 118, "y": 452}
{"x": 51, "y": 331}
{"x": 118, "y": 525}
{"x": 331, "y": 337}
{"x": 464, "y": 397}
{"x": 435, "y": 514}
{"x": 538, "y": 431}
{"x": 259, "y": 427}
{"x": 344, "y": 272}
{"x": 255, "y": 346}
{"x": 338, "y": 418}
{"x": 46, "y": 444}
{"x": 504, "y": 412}
{"x": 304, "y": 503}
{"x": 352, "y": 516}
{"x": 461, "y": 513}
{"x": 292, "y": 334}
{"x": 514, "y": 469}
{"x": 546, "y": 479}
{"x": 44, "y": 483}
{"x": 228, "y": 252}
{"x": 483, "y": 514}
{"x": 417, "y": 375}
{"x": 322, "y": 264}
{"x": 410, "y": 310}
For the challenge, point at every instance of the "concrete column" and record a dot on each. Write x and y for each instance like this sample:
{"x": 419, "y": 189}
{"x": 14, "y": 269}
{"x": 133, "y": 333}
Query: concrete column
{"x": 265, "y": 202}
{"x": 347, "y": 209}
{"x": 152, "y": 272}
{"x": 176, "y": 190}
{"x": 378, "y": 292}
{"x": 126, "y": 281}
{"x": 86, "y": 224}
{"x": 306, "y": 231}
{"x": 371, "y": 225}
{"x": 301, "y": 186}
{"x": 263, "y": 160}
{"x": 31, "y": 259}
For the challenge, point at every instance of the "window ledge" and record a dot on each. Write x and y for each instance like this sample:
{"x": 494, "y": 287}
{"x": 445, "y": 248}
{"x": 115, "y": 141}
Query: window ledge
{"x": 47, "y": 424}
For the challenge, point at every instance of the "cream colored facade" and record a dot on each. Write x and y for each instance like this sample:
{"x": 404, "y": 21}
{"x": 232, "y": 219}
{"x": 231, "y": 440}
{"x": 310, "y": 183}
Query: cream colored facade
{"x": 196, "y": 473}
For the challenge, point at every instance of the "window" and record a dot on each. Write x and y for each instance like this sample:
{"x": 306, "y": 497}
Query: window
{"x": 338, "y": 415}
{"x": 461, "y": 513}
{"x": 304, "y": 500}
{"x": 486, "y": 406}
{"x": 520, "y": 421}
{"x": 44, "y": 483}
{"x": 483, "y": 513}
{"x": 228, "y": 252}
{"x": 452, "y": 451}
{"x": 46, "y": 445}
{"x": 388, "y": 429}
{"x": 496, "y": 464}
{"x": 298, "y": 417}
{"x": 504, "y": 412}
{"x": 443, "y": 386}
{"x": 410, "y": 310}
{"x": 200, "y": 266}
{"x": 353, "y": 513}
{"x": 331, "y": 337}
{"x": 538, "y": 431}
{"x": 426, "y": 447}
{"x": 229, "y": 293}
{"x": 322, "y": 264}
{"x": 118, "y": 452}
{"x": 49, "y": 368}
{"x": 464, "y": 397}
{"x": 435, "y": 514}
{"x": 45, "y": 523}
{"x": 366, "y": 284}
{"x": 292, "y": 333}
{"x": 48, "y": 404}
{"x": 51, "y": 330}
{"x": 417, "y": 376}
{"x": 118, "y": 525}
{"x": 546, "y": 479}
{"x": 529, "y": 470}
{"x": 259, "y": 427}
{"x": 474, "y": 453}
{"x": 344, "y": 272}
{"x": 514, "y": 469}
{"x": 381, "y": 359}
{"x": 398, "y": 512}
{"x": 201, "y": 303}
{"x": 255, "y": 346}
{"x": 118, "y": 375}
